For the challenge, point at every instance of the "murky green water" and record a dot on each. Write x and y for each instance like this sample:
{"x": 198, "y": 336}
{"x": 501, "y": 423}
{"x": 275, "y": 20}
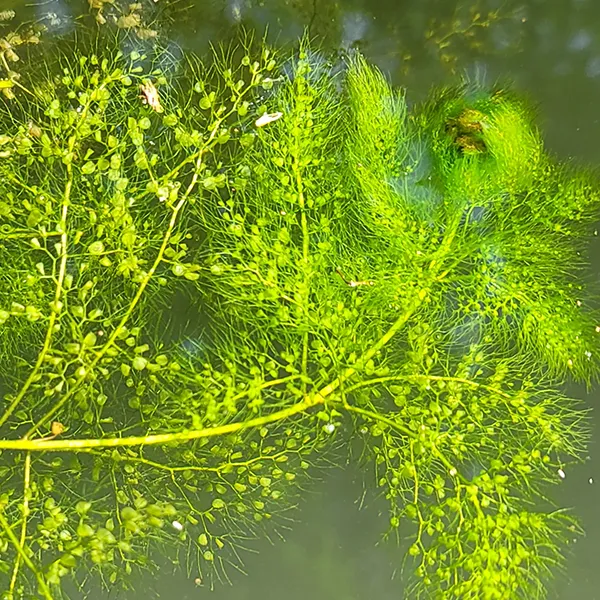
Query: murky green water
{"x": 550, "y": 49}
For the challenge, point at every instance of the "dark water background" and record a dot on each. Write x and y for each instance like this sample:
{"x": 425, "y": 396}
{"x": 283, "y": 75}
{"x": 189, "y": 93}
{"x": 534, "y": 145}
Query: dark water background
{"x": 549, "y": 50}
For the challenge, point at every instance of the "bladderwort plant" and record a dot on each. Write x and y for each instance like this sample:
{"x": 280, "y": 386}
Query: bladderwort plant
{"x": 215, "y": 272}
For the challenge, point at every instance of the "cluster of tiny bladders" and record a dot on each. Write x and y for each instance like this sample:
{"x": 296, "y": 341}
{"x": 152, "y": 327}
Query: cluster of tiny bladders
{"x": 9, "y": 77}
{"x": 129, "y": 18}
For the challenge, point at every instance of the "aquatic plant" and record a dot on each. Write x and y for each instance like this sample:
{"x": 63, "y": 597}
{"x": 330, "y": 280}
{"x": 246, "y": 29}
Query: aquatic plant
{"x": 217, "y": 272}
{"x": 476, "y": 27}
{"x": 11, "y": 44}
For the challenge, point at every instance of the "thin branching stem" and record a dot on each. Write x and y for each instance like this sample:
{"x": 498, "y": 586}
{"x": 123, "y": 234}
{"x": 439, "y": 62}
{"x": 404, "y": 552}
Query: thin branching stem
{"x": 25, "y": 515}
{"x": 23, "y": 554}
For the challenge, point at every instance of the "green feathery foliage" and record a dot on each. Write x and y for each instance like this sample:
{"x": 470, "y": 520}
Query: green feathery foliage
{"x": 216, "y": 271}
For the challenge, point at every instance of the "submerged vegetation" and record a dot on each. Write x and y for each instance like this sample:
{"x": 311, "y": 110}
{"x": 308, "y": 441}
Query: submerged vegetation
{"x": 214, "y": 272}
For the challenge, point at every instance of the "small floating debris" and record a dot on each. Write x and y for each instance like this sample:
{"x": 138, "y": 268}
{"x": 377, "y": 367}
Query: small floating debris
{"x": 561, "y": 474}
{"x": 177, "y": 525}
{"x": 268, "y": 118}
{"x": 7, "y": 15}
{"x": 352, "y": 282}
{"x": 150, "y": 96}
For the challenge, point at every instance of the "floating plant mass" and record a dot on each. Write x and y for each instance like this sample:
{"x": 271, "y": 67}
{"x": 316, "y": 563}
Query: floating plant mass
{"x": 214, "y": 270}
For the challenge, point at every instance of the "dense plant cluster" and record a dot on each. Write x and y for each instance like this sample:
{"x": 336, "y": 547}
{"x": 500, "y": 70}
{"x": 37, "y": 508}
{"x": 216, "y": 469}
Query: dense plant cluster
{"x": 215, "y": 271}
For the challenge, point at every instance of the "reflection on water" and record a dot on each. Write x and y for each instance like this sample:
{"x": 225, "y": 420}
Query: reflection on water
{"x": 551, "y": 50}
{"x": 57, "y": 17}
